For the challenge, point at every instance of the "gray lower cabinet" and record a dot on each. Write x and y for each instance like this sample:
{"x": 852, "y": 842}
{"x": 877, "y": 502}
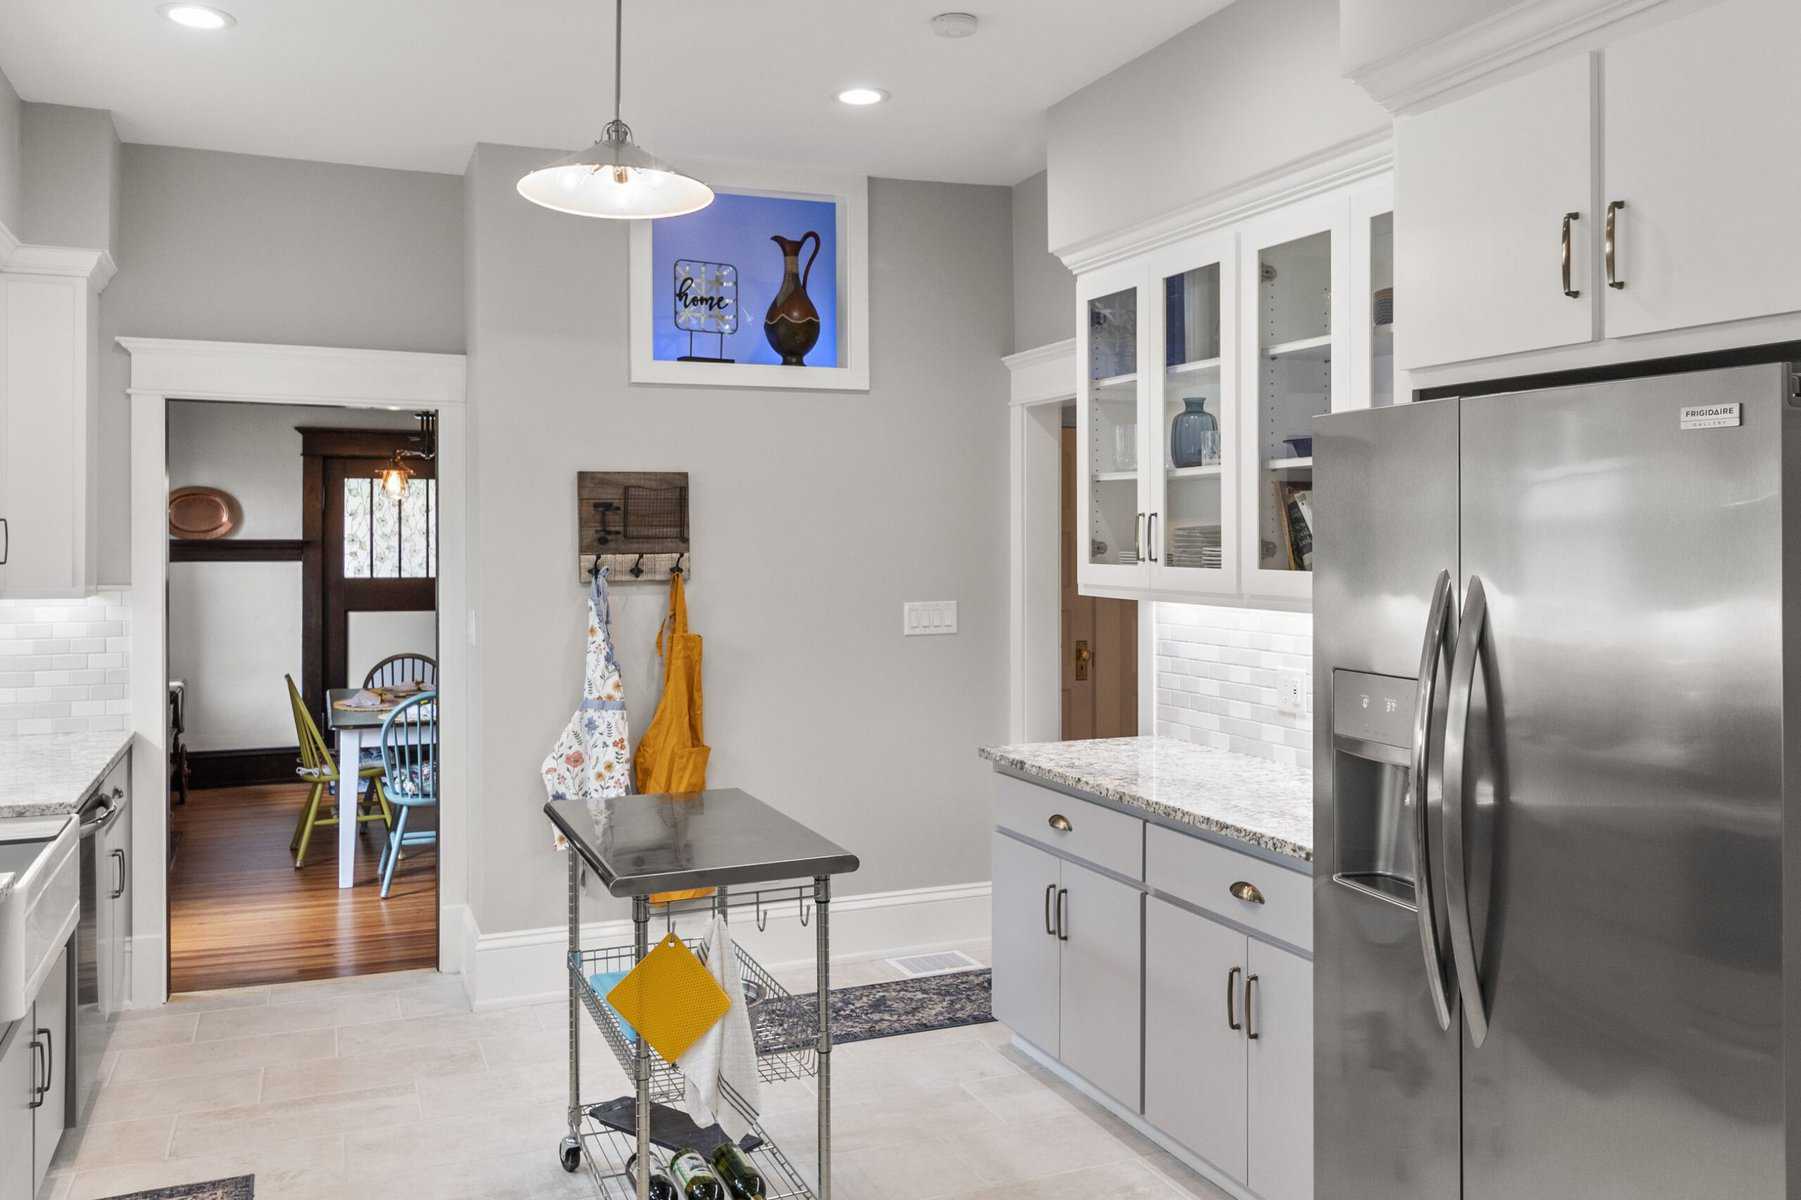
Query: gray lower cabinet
{"x": 1196, "y": 1053}
{"x": 1066, "y": 972}
{"x": 1027, "y": 955}
{"x": 18, "y": 1086}
{"x": 1098, "y": 923}
{"x": 1229, "y": 1049}
{"x": 34, "y": 1100}
{"x": 1279, "y": 1010}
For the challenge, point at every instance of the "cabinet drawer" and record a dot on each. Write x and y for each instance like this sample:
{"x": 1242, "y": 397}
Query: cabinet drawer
{"x": 1100, "y": 835}
{"x": 1203, "y": 873}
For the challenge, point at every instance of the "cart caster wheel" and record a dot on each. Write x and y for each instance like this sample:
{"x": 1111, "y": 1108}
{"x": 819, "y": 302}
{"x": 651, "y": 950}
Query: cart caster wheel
{"x": 570, "y": 1154}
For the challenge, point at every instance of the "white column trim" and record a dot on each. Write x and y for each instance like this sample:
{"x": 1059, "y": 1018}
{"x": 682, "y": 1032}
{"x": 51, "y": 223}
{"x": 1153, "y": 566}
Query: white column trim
{"x": 251, "y": 373}
{"x": 1043, "y": 379}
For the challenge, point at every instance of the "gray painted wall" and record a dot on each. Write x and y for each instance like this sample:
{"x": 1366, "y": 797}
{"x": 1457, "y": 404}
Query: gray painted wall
{"x": 1249, "y": 90}
{"x": 70, "y": 162}
{"x": 1044, "y": 290}
{"x": 235, "y": 247}
{"x": 11, "y": 116}
{"x": 815, "y": 515}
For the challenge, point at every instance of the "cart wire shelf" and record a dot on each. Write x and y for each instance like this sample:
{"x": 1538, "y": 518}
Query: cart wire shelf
{"x": 610, "y": 1158}
{"x": 777, "y": 1060}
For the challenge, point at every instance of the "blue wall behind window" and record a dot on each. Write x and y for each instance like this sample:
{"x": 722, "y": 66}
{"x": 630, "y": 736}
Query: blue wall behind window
{"x": 736, "y": 229}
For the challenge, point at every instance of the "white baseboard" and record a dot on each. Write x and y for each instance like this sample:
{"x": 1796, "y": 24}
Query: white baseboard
{"x": 525, "y": 966}
{"x": 1179, "y": 1152}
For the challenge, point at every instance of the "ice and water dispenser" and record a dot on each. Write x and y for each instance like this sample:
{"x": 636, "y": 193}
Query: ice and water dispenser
{"x": 1372, "y": 746}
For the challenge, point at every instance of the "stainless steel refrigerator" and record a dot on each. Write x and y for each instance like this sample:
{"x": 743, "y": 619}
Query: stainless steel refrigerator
{"x": 1567, "y": 973}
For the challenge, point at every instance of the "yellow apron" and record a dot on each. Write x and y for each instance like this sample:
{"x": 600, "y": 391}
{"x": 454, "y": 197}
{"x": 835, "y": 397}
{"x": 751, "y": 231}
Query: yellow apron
{"x": 672, "y": 757}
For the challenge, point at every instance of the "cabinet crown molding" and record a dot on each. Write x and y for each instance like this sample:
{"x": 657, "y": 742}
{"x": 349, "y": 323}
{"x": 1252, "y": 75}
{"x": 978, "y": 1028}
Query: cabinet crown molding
{"x": 1334, "y": 167}
{"x": 69, "y": 262}
{"x": 1420, "y": 75}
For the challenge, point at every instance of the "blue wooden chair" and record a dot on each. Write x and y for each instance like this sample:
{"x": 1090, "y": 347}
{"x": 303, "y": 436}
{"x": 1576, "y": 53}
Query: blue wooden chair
{"x": 409, "y": 757}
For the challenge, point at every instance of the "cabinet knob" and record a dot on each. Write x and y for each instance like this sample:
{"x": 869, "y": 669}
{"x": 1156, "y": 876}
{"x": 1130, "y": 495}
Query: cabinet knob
{"x": 1060, "y": 823}
{"x": 1247, "y": 892}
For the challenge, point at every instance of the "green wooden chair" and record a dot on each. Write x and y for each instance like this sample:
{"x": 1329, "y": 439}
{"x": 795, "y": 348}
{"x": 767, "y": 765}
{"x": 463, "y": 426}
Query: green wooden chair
{"x": 318, "y": 768}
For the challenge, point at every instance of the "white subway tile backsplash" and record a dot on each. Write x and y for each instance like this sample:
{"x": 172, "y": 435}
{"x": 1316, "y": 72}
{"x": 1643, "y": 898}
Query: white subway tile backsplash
{"x": 64, "y": 667}
{"x": 1217, "y": 674}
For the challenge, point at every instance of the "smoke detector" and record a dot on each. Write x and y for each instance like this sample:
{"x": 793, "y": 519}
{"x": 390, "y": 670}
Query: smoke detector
{"x": 954, "y": 25}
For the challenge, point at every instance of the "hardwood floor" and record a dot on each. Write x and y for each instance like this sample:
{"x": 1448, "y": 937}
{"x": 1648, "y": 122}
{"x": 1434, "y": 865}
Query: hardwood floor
{"x": 240, "y": 914}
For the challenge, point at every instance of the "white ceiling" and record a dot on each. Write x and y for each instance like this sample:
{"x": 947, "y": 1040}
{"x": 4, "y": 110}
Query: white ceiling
{"x": 416, "y": 83}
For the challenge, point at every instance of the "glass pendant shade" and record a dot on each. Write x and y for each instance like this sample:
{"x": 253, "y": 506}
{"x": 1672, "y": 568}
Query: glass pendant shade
{"x": 615, "y": 178}
{"x": 393, "y": 479}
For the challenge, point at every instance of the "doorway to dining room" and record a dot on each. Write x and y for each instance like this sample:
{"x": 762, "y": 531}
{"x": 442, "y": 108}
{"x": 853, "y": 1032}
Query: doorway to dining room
{"x": 302, "y": 612}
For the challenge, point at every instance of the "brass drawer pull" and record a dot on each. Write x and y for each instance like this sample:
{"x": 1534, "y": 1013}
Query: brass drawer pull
{"x": 1247, "y": 892}
{"x": 1060, "y": 823}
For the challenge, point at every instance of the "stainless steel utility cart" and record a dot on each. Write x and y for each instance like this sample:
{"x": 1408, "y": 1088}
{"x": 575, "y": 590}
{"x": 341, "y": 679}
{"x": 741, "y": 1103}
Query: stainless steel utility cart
{"x": 734, "y": 843}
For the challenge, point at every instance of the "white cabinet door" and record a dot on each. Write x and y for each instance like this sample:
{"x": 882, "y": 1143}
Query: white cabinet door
{"x": 1700, "y": 119}
{"x": 48, "y": 399}
{"x": 1112, "y": 441}
{"x": 1100, "y": 1026}
{"x": 1482, "y": 186}
{"x": 1194, "y": 1068}
{"x": 1279, "y": 1032}
{"x": 1026, "y": 951}
{"x": 18, "y": 1080}
{"x": 51, "y": 1026}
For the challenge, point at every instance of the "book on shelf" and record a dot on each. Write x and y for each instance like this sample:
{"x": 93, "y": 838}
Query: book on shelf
{"x": 1295, "y": 502}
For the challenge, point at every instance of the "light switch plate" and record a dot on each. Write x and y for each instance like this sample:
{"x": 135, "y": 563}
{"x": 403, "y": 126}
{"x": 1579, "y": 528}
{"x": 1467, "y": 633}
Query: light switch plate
{"x": 1291, "y": 692}
{"x": 926, "y": 618}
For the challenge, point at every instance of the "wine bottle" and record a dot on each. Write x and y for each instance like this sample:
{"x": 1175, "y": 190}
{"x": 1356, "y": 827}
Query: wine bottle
{"x": 695, "y": 1178}
{"x": 662, "y": 1187}
{"x": 740, "y": 1174}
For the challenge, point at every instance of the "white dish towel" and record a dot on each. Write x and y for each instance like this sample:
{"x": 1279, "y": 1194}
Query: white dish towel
{"x": 721, "y": 1068}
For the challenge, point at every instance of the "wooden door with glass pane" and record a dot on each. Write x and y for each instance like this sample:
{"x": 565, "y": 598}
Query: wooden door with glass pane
{"x": 380, "y": 553}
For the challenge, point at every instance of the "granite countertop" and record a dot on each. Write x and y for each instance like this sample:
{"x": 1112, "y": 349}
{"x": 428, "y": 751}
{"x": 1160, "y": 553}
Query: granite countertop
{"x": 47, "y": 774}
{"x": 1236, "y": 796}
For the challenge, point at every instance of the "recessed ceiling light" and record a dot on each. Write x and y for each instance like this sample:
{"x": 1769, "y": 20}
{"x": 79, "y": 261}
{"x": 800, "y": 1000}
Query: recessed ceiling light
{"x": 198, "y": 16}
{"x": 954, "y": 24}
{"x": 861, "y": 97}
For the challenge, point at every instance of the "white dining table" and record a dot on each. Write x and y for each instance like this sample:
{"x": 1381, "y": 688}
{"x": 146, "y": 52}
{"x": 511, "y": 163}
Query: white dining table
{"x": 356, "y": 729}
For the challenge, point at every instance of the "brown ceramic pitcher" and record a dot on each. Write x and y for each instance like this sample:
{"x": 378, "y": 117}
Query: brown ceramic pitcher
{"x": 792, "y": 323}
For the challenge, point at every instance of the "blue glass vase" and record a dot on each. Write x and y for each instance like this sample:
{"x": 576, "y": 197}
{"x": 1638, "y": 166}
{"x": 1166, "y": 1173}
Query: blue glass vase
{"x": 1194, "y": 435}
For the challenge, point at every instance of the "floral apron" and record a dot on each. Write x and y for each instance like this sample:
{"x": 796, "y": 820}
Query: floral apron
{"x": 593, "y": 758}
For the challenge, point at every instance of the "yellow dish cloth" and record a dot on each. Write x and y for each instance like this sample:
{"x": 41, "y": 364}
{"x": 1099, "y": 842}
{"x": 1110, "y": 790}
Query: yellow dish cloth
{"x": 670, "y": 998}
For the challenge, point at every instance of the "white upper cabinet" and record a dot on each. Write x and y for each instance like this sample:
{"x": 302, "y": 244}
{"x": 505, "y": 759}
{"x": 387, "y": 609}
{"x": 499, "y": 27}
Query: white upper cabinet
{"x": 49, "y": 404}
{"x": 1485, "y": 188}
{"x": 1202, "y": 365}
{"x": 1700, "y": 168}
{"x": 1644, "y": 188}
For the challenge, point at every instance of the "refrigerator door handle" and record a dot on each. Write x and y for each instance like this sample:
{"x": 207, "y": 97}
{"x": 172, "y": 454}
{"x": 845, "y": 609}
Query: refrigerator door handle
{"x": 1472, "y": 637}
{"x": 1441, "y": 634}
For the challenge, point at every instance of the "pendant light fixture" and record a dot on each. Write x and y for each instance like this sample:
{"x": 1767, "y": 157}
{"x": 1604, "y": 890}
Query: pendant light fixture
{"x": 615, "y": 177}
{"x": 396, "y": 475}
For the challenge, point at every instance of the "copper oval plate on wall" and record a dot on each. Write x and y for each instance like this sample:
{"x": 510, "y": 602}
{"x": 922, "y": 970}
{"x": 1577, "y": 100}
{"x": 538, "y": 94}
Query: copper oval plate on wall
{"x": 201, "y": 513}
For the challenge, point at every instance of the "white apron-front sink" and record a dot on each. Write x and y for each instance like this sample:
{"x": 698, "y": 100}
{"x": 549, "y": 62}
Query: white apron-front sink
{"x": 40, "y": 902}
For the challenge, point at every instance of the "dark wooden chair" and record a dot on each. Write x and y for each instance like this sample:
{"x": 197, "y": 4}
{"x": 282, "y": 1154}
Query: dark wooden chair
{"x": 403, "y": 668}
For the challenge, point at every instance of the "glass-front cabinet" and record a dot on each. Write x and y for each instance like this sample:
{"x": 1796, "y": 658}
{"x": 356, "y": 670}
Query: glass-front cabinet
{"x": 1203, "y": 364}
{"x": 1156, "y": 353}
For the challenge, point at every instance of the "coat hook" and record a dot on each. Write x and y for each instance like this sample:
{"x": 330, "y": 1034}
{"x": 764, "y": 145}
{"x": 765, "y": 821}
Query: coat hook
{"x": 637, "y": 567}
{"x": 677, "y": 568}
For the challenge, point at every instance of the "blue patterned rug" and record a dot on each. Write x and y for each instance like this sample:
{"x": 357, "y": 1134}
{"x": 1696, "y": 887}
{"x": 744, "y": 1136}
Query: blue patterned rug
{"x": 879, "y": 1010}
{"x": 239, "y": 1187}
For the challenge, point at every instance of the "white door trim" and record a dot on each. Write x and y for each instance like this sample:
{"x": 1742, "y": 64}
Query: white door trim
{"x": 251, "y": 373}
{"x": 1043, "y": 381}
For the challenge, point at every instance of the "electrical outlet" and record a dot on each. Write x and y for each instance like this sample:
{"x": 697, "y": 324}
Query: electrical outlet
{"x": 925, "y": 618}
{"x": 1291, "y": 692}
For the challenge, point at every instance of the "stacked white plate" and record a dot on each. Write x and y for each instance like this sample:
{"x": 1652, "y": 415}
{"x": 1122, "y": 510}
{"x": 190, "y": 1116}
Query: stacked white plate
{"x": 1196, "y": 546}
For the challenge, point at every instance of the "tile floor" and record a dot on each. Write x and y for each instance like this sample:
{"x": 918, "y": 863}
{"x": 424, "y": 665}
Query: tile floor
{"x": 387, "y": 1085}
